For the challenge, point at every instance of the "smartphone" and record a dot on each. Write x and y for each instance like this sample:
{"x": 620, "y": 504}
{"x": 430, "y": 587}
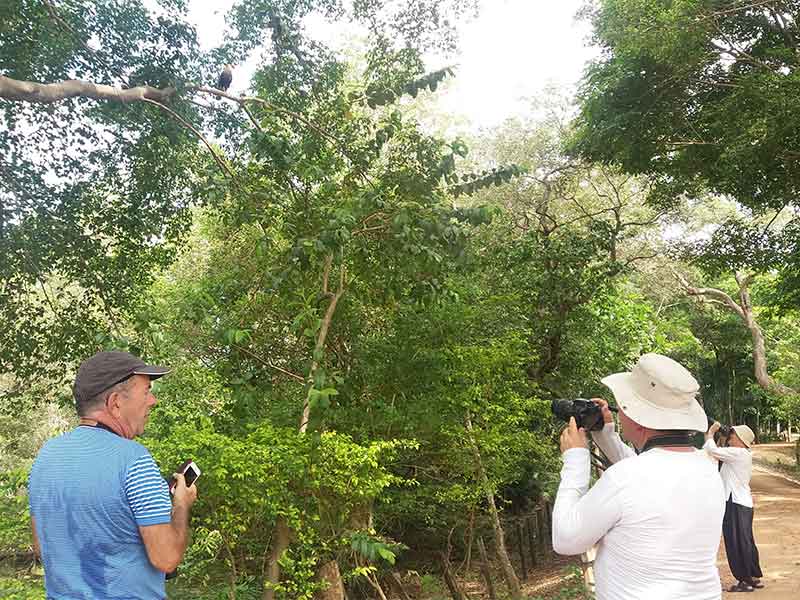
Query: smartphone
{"x": 190, "y": 473}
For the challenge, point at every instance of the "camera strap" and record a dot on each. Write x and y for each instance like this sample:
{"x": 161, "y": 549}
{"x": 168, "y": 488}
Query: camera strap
{"x": 96, "y": 424}
{"x": 672, "y": 439}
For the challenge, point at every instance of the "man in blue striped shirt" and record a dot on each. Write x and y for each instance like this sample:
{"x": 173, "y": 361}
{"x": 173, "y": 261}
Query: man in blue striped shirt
{"x": 101, "y": 513}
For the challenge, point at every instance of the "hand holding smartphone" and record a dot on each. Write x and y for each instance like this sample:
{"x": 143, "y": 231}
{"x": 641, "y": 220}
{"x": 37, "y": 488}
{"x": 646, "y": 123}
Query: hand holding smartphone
{"x": 190, "y": 472}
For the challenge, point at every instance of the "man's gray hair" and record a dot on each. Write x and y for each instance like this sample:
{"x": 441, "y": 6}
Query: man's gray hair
{"x": 84, "y": 408}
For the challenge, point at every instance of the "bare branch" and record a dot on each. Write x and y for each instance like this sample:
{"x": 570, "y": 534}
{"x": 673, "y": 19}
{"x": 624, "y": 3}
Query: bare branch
{"x": 326, "y": 273}
{"x": 714, "y": 293}
{"x": 243, "y": 100}
{"x": 633, "y": 259}
{"x": 266, "y": 363}
{"x": 777, "y": 213}
{"x": 47, "y": 93}
{"x": 742, "y": 6}
{"x": 322, "y": 336}
{"x": 744, "y": 310}
{"x": 252, "y": 118}
{"x": 366, "y": 230}
{"x": 744, "y": 281}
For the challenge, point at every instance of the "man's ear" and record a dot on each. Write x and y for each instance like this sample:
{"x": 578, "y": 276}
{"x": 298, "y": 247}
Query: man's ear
{"x": 113, "y": 403}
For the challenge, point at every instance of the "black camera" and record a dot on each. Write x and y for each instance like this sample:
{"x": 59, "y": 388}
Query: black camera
{"x": 722, "y": 436}
{"x": 587, "y": 414}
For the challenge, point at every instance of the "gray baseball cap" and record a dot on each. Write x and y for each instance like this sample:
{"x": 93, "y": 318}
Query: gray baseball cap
{"x": 107, "y": 369}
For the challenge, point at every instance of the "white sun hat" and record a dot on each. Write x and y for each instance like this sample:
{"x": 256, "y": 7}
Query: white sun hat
{"x": 659, "y": 393}
{"x": 744, "y": 433}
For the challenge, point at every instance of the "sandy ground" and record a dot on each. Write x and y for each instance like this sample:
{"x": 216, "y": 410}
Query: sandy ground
{"x": 777, "y": 529}
{"x": 782, "y": 454}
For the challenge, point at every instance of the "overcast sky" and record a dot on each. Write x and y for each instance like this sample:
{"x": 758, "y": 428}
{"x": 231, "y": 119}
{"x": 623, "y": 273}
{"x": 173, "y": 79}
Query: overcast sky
{"x": 513, "y": 50}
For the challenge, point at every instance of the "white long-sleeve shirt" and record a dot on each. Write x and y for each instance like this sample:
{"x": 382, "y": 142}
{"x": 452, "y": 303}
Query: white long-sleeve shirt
{"x": 656, "y": 517}
{"x": 737, "y": 469}
{"x": 611, "y": 444}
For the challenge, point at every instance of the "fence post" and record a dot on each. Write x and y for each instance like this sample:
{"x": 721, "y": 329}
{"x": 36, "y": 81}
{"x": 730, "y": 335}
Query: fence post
{"x": 549, "y": 508}
{"x": 530, "y": 524}
{"x": 521, "y": 550}
{"x": 541, "y": 527}
{"x": 548, "y": 511}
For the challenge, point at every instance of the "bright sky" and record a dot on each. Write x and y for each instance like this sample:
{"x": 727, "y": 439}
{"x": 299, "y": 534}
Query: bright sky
{"x": 513, "y": 50}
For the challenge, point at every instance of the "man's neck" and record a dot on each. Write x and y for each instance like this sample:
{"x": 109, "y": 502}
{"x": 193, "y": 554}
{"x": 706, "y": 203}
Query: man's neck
{"x": 107, "y": 421}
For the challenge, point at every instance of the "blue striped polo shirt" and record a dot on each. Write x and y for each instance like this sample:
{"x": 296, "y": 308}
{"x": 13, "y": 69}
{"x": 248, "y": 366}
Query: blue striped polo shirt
{"x": 90, "y": 490}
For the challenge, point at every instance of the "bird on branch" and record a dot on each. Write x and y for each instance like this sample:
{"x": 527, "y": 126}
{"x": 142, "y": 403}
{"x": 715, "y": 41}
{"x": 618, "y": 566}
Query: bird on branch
{"x": 225, "y": 78}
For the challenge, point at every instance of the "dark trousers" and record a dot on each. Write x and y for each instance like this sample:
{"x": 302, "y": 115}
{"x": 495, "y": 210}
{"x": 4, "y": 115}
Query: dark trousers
{"x": 740, "y": 546}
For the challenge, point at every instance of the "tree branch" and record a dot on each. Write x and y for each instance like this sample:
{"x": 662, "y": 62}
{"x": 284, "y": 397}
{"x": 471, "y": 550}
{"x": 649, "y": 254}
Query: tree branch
{"x": 266, "y": 363}
{"x": 744, "y": 309}
{"x": 243, "y": 100}
{"x": 47, "y": 93}
{"x": 633, "y": 259}
{"x": 322, "y": 336}
{"x": 718, "y": 295}
{"x": 199, "y": 135}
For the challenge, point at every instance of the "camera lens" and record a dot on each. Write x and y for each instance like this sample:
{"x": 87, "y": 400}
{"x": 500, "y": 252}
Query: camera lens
{"x": 563, "y": 409}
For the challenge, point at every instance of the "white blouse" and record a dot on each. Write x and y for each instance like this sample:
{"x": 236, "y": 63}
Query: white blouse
{"x": 737, "y": 469}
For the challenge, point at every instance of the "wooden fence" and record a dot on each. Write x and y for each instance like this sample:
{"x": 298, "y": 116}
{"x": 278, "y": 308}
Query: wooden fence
{"x": 529, "y": 539}
{"x": 528, "y": 542}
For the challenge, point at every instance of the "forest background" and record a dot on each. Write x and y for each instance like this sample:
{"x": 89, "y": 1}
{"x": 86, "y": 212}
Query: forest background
{"x": 368, "y": 315}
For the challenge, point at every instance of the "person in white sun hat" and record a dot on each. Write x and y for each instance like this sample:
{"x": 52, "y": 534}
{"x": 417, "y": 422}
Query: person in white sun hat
{"x": 737, "y": 526}
{"x": 656, "y": 513}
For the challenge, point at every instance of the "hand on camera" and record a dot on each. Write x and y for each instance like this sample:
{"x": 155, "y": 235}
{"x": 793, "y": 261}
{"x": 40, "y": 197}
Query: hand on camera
{"x": 182, "y": 495}
{"x": 607, "y": 416}
{"x": 572, "y": 437}
{"x": 712, "y": 430}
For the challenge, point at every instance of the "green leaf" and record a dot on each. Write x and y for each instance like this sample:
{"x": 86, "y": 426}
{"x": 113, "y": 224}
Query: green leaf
{"x": 386, "y": 554}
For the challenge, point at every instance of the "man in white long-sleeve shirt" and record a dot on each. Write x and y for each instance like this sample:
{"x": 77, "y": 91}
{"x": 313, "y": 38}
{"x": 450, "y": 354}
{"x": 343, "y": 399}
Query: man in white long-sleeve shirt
{"x": 656, "y": 516}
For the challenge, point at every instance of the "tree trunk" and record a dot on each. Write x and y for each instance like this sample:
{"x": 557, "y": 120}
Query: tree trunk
{"x": 329, "y": 572}
{"x": 759, "y": 346}
{"x": 282, "y": 533}
{"x": 744, "y": 309}
{"x": 470, "y": 535}
{"x": 500, "y": 544}
{"x": 452, "y": 584}
{"x": 397, "y": 583}
{"x": 797, "y": 453}
{"x": 280, "y": 542}
{"x": 487, "y": 574}
{"x": 758, "y": 427}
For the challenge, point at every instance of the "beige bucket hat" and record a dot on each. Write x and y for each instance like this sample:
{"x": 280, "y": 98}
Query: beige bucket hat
{"x": 744, "y": 433}
{"x": 659, "y": 393}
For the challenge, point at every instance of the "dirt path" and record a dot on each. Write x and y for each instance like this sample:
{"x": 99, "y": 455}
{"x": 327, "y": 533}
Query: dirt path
{"x": 777, "y": 533}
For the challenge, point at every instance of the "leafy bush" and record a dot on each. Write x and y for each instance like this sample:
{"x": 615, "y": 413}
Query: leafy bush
{"x": 22, "y": 588}
{"x": 316, "y": 482}
{"x": 15, "y": 520}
